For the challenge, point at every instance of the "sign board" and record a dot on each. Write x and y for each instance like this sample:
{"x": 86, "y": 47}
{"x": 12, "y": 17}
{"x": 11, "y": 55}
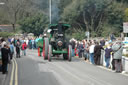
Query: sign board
{"x": 125, "y": 27}
{"x": 87, "y": 33}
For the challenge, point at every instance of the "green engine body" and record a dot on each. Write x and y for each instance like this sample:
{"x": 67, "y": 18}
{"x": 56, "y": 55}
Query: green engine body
{"x": 57, "y": 38}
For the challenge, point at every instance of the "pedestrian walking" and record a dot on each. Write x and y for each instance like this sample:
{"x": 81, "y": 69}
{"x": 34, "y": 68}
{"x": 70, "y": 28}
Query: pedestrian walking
{"x": 24, "y": 47}
{"x": 117, "y": 49}
{"x": 5, "y": 56}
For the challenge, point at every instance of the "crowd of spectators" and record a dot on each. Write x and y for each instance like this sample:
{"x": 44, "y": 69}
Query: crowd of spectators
{"x": 14, "y": 45}
{"x": 92, "y": 50}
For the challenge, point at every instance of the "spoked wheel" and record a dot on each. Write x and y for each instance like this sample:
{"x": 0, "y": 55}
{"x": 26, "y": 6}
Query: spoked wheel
{"x": 45, "y": 48}
{"x": 49, "y": 53}
{"x": 69, "y": 53}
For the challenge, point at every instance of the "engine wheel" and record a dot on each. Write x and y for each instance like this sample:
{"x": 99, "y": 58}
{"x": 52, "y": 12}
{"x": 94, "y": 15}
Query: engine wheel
{"x": 49, "y": 53}
{"x": 69, "y": 53}
{"x": 45, "y": 48}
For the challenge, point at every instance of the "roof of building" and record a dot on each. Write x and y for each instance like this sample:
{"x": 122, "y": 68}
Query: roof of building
{"x": 6, "y": 28}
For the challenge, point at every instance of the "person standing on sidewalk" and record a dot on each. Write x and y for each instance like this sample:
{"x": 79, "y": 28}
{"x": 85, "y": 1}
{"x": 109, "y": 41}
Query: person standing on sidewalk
{"x": 97, "y": 53}
{"x": 102, "y": 42}
{"x": 11, "y": 50}
{"x": 24, "y": 47}
{"x": 18, "y": 49}
{"x": 108, "y": 51}
{"x": 117, "y": 49}
{"x": 3, "y": 42}
{"x": 33, "y": 41}
{"x": 87, "y": 51}
{"x": 81, "y": 48}
{"x": 73, "y": 47}
{"x": 5, "y": 56}
{"x": 91, "y": 51}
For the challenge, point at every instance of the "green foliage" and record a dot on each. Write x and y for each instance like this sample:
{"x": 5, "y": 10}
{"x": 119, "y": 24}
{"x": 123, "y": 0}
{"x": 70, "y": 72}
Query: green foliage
{"x": 34, "y": 24}
{"x": 108, "y": 29}
{"x": 116, "y": 15}
{"x": 79, "y": 35}
{"x": 99, "y": 17}
{"x": 6, "y": 34}
{"x": 126, "y": 15}
{"x": 93, "y": 15}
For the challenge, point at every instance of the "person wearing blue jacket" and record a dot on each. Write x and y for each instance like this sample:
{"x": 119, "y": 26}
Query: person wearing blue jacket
{"x": 11, "y": 50}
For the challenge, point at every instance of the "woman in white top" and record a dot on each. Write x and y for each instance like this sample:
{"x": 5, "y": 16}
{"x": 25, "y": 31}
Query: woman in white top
{"x": 91, "y": 51}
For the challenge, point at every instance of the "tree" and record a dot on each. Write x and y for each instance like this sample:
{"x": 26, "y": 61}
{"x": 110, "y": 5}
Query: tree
{"x": 86, "y": 14}
{"x": 93, "y": 15}
{"x": 13, "y": 7}
{"x": 126, "y": 15}
{"x": 16, "y": 10}
{"x": 34, "y": 24}
{"x": 115, "y": 17}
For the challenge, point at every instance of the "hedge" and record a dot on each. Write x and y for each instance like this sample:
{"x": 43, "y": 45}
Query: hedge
{"x": 6, "y": 34}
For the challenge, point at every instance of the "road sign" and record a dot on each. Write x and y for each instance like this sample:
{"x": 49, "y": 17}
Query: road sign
{"x": 125, "y": 27}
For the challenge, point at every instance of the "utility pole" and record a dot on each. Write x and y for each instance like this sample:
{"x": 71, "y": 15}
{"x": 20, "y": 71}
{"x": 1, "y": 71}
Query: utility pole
{"x": 50, "y": 11}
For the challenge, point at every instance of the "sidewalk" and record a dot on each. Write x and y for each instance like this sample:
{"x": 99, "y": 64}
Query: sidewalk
{"x": 109, "y": 69}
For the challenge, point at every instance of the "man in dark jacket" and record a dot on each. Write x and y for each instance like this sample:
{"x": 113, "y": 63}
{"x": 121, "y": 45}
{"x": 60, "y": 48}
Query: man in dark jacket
{"x": 5, "y": 55}
{"x": 102, "y": 42}
{"x": 81, "y": 48}
{"x": 18, "y": 46}
{"x": 108, "y": 51}
{"x": 97, "y": 53}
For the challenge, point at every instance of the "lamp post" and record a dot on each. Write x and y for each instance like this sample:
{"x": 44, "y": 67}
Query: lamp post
{"x": 50, "y": 11}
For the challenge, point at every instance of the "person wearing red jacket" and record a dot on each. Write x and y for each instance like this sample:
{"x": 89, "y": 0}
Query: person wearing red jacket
{"x": 24, "y": 47}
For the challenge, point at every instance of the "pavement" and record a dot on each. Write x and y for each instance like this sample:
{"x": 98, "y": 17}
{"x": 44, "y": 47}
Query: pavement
{"x": 33, "y": 70}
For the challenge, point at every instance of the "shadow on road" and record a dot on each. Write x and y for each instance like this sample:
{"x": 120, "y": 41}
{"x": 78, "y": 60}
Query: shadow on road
{"x": 60, "y": 59}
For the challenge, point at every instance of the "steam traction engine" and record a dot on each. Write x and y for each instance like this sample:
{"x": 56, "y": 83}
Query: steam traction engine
{"x": 56, "y": 43}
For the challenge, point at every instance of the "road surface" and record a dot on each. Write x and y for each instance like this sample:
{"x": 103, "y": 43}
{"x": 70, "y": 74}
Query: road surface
{"x": 33, "y": 70}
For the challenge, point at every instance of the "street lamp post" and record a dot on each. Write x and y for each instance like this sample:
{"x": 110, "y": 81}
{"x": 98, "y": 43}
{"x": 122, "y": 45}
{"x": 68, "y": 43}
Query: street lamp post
{"x": 50, "y": 11}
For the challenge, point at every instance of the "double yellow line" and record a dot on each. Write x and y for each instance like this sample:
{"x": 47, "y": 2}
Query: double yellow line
{"x": 14, "y": 73}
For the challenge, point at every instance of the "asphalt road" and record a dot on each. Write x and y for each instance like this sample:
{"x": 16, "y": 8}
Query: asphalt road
{"x": 33, "y": 70}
